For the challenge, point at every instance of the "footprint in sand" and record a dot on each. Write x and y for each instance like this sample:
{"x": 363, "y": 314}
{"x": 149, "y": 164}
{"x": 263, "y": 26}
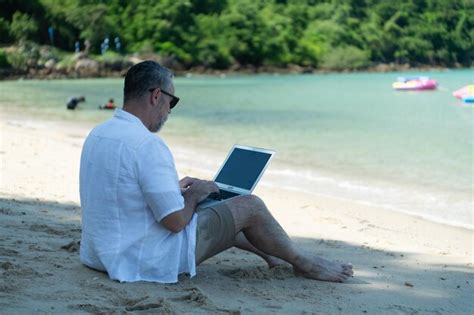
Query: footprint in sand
{"x": 46, "y": 229}
{"x": 8, "y": 211}
{"x": 92, "y": 309}
{"x": 38, "y": 248}
{"x": 260, "y": 273}
{"x": 195, "y": 296}
{"x": 198, "y": 299}
{"x": 401, "y": 309}
{"x": 72, "y": 246}
{"x": 8, "y": 252}
{"x": 159, "y": 307}
{"x": 8, "y": 269}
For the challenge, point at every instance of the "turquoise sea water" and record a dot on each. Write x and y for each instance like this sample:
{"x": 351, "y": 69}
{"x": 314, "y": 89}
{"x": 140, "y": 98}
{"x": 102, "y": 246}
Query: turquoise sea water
{"x": 344, "y": 135}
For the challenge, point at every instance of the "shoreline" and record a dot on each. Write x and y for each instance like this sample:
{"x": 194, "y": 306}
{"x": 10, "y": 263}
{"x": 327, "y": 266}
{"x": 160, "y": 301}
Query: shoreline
{"x": 103, "y": 73}
{"x": 273, "y": 181}
{"x": 427, "y": 218}
{"x": 84, "y": 127}
{"x": 212, "y": 164}
{"x": 402, "y": 264}
{"x": 327, "y": 183}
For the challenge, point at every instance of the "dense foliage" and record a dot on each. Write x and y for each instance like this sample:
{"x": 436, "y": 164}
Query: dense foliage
{"x": 333, "y": 34}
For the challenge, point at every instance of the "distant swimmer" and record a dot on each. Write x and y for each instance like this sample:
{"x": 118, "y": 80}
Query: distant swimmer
{"x": 73, "y": 101}
{"x": 109, "y": 105}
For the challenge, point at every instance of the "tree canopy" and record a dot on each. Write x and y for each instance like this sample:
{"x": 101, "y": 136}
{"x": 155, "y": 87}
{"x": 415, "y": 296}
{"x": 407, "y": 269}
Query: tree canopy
{"x": 333, "y": 34}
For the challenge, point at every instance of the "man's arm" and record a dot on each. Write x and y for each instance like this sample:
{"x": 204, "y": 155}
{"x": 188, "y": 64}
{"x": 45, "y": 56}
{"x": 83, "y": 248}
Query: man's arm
{"x": 194, "y": 191}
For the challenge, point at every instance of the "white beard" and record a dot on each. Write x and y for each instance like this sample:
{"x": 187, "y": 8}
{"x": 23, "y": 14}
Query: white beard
{"x": 159, "y": 125}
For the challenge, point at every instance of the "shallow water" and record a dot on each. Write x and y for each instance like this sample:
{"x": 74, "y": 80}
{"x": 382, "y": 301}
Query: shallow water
{"x": 344, "y": 135}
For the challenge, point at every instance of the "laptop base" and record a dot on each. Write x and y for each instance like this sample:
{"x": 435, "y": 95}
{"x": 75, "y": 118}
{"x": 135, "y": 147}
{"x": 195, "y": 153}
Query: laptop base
{"x": 217, "y": 198}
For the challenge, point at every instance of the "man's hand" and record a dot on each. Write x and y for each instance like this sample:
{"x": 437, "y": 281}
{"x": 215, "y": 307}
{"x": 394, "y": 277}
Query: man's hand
{"x": 186, "y": 182}
{"x": 194, "y": 191}
{"x": 197, "y": 189}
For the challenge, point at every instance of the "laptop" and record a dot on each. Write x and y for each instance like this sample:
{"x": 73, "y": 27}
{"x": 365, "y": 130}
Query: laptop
{"x": 240, "y": 173}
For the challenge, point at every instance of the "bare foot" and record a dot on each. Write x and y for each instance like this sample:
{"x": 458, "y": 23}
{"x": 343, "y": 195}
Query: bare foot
{"x": 321, "y": 269}
{"x": 274, "y": 261}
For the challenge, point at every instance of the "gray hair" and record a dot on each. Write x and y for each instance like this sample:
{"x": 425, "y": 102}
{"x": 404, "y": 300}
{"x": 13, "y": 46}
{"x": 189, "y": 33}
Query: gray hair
{"x": 144, "y": 76}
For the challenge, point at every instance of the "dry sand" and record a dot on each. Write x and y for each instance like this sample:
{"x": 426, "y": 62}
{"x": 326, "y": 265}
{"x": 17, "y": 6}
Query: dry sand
{"x": 403, "y": 265}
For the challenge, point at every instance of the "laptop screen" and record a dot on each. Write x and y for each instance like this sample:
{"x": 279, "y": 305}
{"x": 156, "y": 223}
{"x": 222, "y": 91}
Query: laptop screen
{"x": 243, "y": 168}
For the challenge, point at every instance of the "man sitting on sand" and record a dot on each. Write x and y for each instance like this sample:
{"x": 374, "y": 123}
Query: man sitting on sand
{"x": 140, "y": 222}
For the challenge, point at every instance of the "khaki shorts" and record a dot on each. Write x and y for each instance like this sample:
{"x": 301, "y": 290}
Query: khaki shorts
{"x": 215, "y": 231}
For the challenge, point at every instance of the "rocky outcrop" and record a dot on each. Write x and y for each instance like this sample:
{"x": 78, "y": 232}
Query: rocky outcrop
{"x": 86, "y": 67}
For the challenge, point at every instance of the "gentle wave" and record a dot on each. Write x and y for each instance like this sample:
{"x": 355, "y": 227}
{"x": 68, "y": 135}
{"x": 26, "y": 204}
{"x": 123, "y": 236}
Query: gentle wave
{"x": 431, "y": 206}
{"x": 440, "y": 207}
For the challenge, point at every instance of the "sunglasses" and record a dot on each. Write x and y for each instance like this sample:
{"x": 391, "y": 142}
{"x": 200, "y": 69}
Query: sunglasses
{"x": 174, "y": 99}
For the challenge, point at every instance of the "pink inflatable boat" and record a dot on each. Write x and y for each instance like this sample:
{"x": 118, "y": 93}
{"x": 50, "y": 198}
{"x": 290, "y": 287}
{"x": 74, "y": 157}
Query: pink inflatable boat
{"x": 468, "y": 90}
{"x": 415, "y": 83}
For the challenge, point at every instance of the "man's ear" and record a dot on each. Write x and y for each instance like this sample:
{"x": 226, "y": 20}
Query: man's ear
{"x": 155, "y": 97}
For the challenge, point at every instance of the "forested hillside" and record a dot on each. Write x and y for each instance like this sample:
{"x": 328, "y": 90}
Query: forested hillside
{"x": 327, "y": 34}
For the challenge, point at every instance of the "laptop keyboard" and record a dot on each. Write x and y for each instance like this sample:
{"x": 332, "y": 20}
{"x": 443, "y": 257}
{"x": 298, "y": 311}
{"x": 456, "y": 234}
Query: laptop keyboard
{"x": 223, "y": 194}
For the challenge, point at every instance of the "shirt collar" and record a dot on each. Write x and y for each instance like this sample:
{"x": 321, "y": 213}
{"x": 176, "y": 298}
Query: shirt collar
{"x": 121, "y": 114}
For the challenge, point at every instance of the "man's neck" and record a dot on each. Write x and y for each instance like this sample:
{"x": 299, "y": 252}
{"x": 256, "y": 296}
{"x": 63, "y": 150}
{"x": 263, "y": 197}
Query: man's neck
{"x": 135, "y": 110}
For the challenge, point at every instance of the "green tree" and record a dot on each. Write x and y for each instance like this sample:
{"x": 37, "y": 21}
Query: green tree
{"x": 246, "y": 43}
{"x": 342, "y": 58}
{"x": 311, "y": 46}
{"x": 92, "y": 20}
{"x": 4, "y": 30}
{"x": 23, "y": 27}
{"x": 220, "y": 33}
{"x": 209, "y": 42}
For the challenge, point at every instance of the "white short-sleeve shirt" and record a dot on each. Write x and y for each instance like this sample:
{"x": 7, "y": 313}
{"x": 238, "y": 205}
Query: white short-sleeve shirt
{"x": 128, "y": 184}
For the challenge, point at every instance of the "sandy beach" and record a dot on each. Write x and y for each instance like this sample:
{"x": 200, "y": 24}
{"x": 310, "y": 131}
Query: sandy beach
{"x": 403, "y": 264}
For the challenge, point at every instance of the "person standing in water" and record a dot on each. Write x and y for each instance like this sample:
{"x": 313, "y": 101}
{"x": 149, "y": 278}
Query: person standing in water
{"x": 73, "y": 101}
